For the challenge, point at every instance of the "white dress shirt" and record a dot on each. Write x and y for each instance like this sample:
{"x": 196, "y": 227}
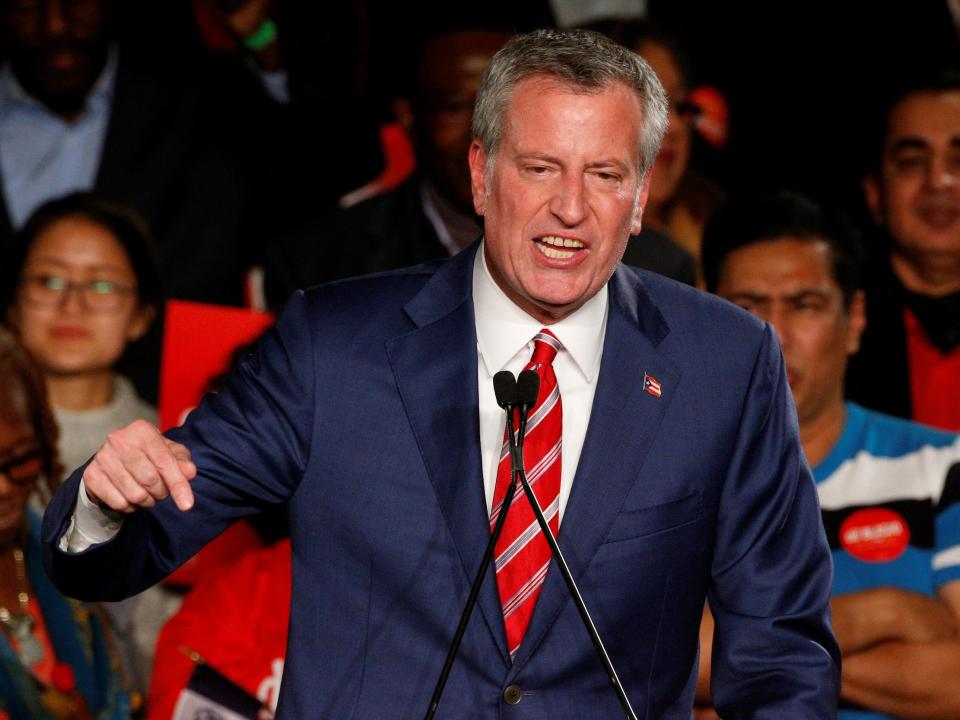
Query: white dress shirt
{"x": 504, "y": 342}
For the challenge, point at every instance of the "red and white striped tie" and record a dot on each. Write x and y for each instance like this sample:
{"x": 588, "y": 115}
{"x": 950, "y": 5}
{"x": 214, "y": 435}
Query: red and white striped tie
{"x": 522, "y": 553}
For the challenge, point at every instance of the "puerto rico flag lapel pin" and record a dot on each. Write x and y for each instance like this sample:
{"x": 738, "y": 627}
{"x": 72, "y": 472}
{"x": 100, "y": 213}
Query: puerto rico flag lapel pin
{"x": 651, "y": 385}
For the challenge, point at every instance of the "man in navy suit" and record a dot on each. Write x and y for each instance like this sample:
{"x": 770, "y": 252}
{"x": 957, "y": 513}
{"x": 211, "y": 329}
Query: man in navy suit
{"x": 369, "y": 410}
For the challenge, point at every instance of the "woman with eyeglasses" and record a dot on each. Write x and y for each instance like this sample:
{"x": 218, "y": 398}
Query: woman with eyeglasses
{"x": 56, "y": 660}
{"x": 84, "y": 284}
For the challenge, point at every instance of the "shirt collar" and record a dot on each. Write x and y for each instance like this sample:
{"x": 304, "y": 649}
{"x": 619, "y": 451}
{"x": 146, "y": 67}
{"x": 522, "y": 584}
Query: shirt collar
{"x": 13, "y": 95}
{"x": 503, "y": 329}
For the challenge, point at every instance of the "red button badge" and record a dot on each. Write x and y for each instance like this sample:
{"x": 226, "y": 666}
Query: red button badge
{"x": 875, "y": 535}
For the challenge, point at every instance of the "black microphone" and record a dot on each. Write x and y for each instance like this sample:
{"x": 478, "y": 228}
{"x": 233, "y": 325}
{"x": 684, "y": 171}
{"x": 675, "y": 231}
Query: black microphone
{"x": 505, "y": 387}
{"x": 528, "y": 387}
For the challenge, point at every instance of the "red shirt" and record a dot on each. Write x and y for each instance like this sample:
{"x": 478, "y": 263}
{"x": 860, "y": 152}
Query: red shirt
{"x": 934, "y": 378}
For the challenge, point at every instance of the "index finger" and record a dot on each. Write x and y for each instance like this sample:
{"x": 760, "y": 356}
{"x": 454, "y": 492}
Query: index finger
{"x": 166, "y": 463}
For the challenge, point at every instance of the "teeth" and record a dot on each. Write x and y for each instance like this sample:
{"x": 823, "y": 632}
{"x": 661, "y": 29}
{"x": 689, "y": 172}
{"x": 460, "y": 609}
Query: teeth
{"x": 554, "y": 253}
{"x": 555, "y": 247}
{"x": 561, "y": 242}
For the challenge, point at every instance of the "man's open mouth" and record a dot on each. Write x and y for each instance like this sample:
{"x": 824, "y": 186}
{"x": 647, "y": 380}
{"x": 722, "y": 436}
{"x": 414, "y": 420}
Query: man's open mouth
{"x": 558, "y": 248}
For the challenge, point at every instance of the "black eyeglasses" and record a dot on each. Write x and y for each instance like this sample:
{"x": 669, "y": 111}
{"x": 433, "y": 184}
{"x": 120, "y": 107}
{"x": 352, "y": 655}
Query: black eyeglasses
{"x": 52, "y": 290}
{"x": 25, "y": 468}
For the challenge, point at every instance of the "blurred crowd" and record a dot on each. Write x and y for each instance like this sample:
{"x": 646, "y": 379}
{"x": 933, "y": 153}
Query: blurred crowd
{"x": 233, "y": 151}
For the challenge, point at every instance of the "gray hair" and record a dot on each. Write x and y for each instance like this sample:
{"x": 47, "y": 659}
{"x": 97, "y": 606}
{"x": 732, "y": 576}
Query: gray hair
{"x": 583, "y": 59}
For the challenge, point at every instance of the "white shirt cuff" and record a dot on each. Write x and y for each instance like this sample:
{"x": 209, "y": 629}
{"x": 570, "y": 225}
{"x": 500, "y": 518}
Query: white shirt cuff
{"x": 89, "y": 525}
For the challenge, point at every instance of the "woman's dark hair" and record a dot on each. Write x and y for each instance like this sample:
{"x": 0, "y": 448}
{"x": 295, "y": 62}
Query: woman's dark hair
{"x": 20, "y": 378}
{"x": 122, "y": 221}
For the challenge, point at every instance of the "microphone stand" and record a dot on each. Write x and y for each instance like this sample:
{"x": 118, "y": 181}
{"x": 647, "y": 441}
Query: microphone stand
{"x": 506, "y": 398}
{"x": 572, "y": 586}
{"x": 510, "y": 395}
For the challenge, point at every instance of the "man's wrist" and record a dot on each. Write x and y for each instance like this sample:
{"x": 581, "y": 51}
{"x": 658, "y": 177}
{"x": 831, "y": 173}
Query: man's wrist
{"x": 96, "y": 505}
{"x": 91, "y": 497}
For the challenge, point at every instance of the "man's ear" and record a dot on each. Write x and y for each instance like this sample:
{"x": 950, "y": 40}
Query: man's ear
{"x": 856, "y": 321}
{"x": 637, "y": 220}
{"x": 477, "y": 159}
{"x": 872, "y": 196}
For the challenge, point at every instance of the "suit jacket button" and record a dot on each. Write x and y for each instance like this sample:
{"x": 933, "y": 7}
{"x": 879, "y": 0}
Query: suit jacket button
{"x": 512, "y": 694}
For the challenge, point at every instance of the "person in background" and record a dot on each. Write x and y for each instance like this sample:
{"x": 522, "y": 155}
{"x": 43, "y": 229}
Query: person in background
{"x": 82, "y": 287}
{"x": 681, "y": 199}
{"x": 889, "y": 489}
{"x": 428, "y": 216}
{"x": 80, "y": 109}
{"x": 184, "y": 137}
{"x": 55, "y": 656}
{"x": 909, "y": 363}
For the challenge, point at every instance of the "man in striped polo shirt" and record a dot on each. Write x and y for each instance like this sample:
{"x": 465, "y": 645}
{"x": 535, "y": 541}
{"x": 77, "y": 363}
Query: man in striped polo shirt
{"x": 889, "y": 489}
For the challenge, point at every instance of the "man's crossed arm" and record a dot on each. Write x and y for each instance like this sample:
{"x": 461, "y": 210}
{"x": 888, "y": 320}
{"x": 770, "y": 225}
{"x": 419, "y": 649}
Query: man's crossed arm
{"x": 907, "y": 665}
{"x": 901, "y": 651}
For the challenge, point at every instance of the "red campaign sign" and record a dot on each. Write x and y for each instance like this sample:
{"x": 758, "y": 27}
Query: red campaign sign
{"x": 875, "y": 535}
{"x": 198, "y": 340}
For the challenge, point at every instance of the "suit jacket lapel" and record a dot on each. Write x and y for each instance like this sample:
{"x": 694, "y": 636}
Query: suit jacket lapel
{"x": 435, "y": 367}
{"x": 623, "y": 423}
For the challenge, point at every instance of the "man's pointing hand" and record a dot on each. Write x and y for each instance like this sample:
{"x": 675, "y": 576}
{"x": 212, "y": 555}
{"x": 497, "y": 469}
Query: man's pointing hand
{"x": 137, "y": 467}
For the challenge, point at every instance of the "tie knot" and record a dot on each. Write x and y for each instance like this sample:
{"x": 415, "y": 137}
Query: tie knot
{"x": 545, "y": 348}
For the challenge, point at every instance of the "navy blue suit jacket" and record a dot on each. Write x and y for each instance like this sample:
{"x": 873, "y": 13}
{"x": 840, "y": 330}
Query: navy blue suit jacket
{"x": 360, "y": 411}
